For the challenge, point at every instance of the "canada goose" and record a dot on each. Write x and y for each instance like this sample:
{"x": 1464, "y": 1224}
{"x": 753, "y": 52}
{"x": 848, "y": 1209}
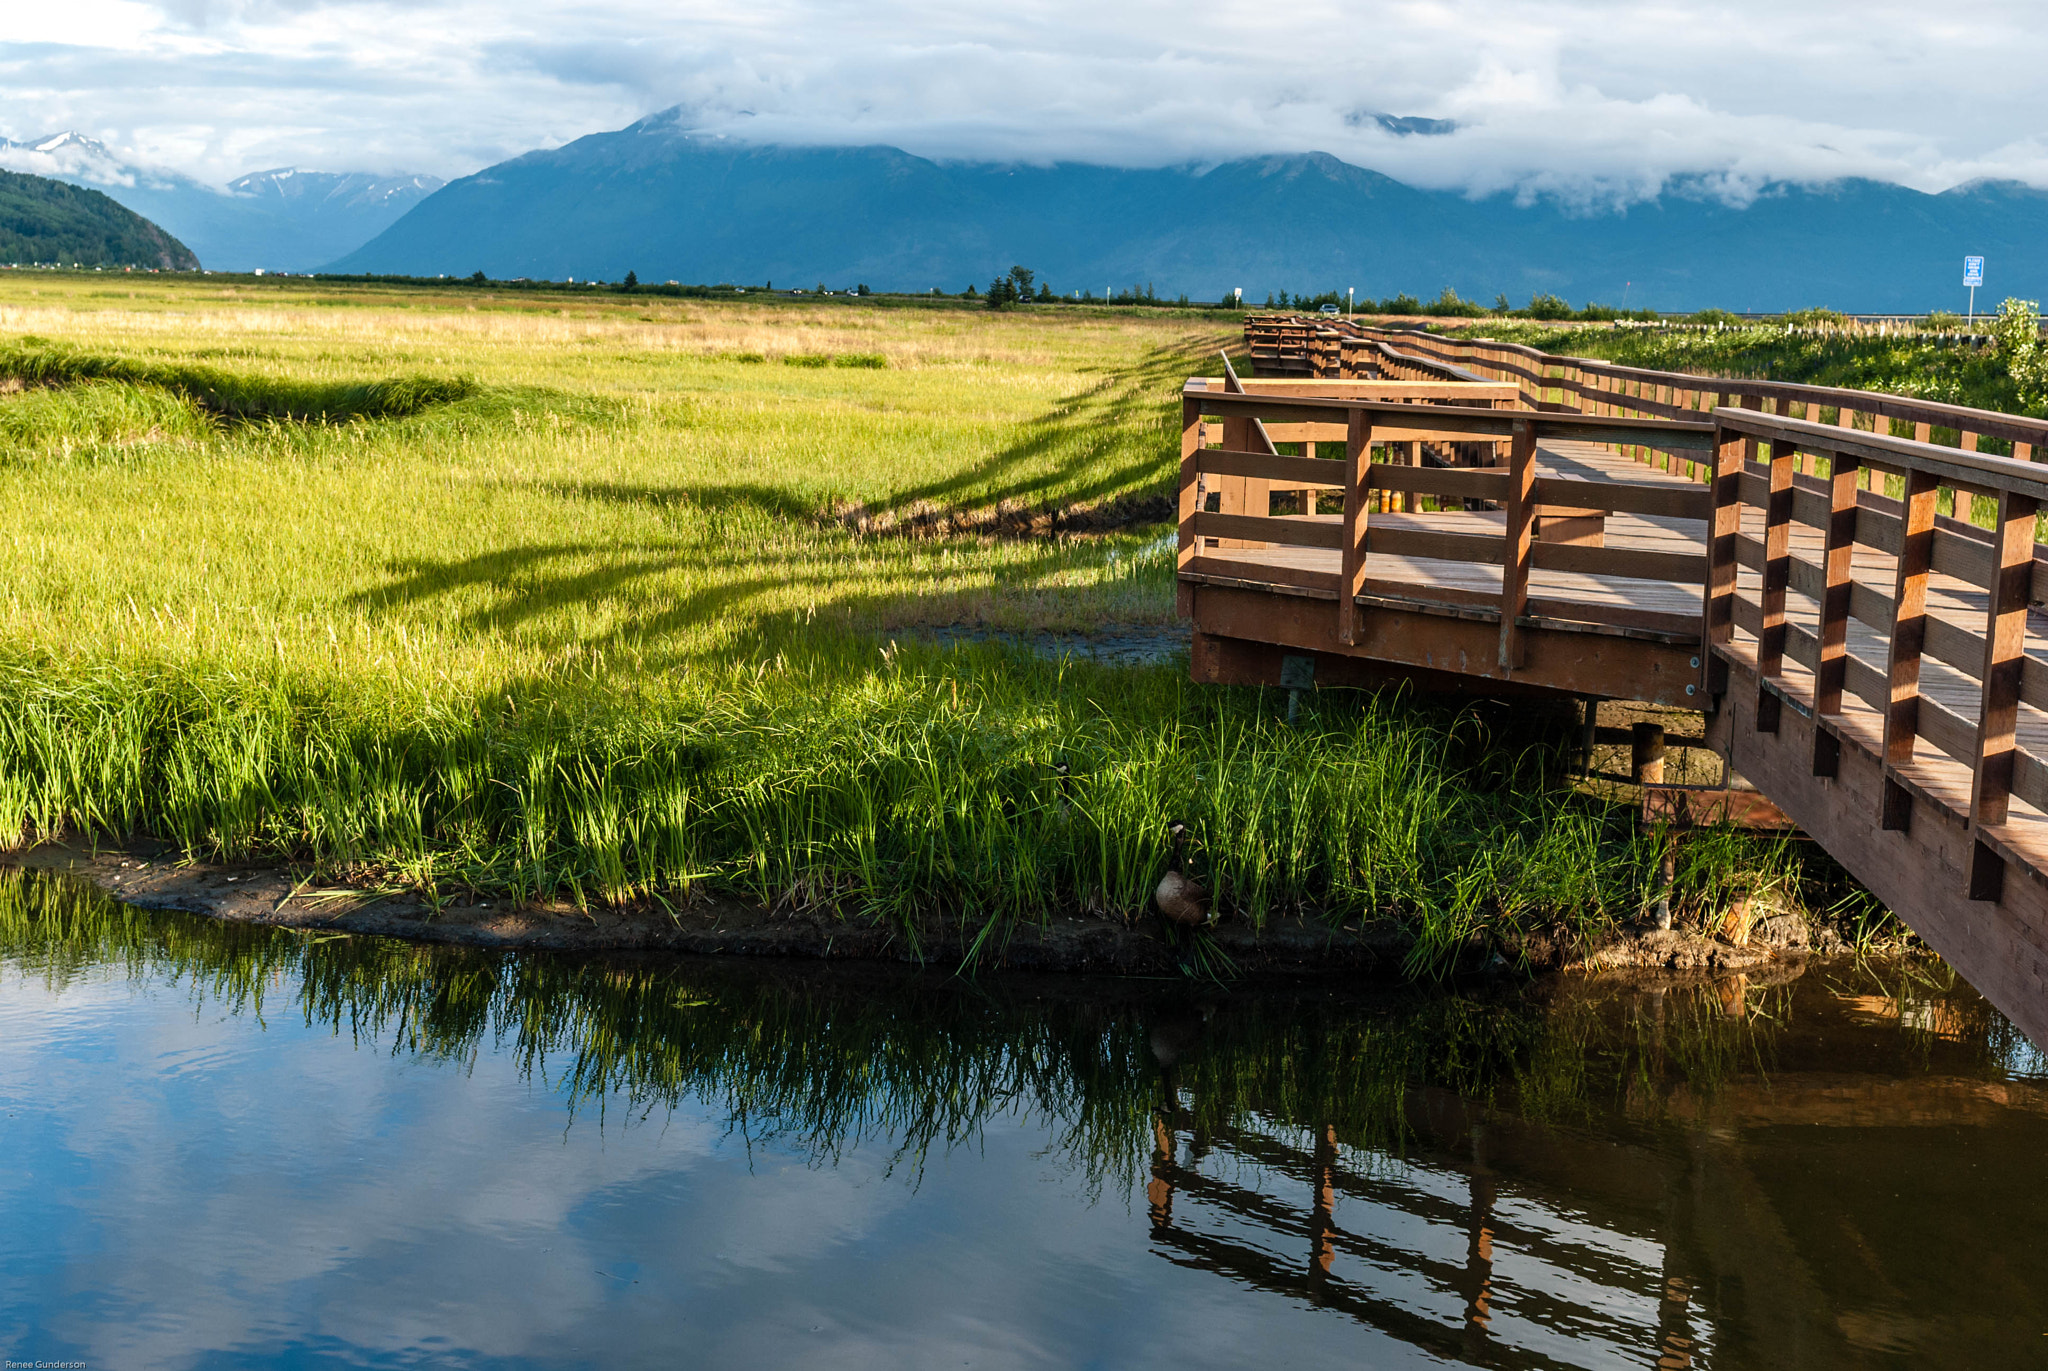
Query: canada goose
{"x": 1179, "y": 899}
{"x": 1178, "y": 1033}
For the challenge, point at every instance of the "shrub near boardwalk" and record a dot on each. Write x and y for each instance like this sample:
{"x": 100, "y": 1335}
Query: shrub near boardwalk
{"x": 586, "y": 623}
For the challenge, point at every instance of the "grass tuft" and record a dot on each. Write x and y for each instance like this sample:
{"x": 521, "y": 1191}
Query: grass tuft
{"x": 33, "y": 361}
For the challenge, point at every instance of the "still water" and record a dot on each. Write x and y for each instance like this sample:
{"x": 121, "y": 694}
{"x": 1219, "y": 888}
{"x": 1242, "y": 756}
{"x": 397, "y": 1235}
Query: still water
{"x": 235, "y": 1147}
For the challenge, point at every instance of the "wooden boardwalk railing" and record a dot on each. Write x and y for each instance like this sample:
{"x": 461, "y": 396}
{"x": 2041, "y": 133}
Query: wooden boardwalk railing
{"x": 1496, "y": 568}
{"x": 1896, "y": 638}
{"x": 1596, "y": 387}
{"x": 1872, "y": 663}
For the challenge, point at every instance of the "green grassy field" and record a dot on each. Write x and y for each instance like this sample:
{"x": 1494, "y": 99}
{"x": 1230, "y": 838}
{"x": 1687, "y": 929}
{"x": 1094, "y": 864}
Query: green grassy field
{"x": 1896, "y": 363}
{"x": 631, "y": 601}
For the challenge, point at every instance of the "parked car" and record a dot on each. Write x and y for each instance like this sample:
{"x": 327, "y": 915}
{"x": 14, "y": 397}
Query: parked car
{"x": 1329, "y": 309}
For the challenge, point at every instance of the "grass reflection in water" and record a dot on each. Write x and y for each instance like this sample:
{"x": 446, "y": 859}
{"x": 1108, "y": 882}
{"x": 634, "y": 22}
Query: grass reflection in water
{"x": 841, "y": 1056}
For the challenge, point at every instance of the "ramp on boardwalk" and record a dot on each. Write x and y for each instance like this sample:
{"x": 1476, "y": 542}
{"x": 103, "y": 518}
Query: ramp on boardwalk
{"x": 1852, "y": 608}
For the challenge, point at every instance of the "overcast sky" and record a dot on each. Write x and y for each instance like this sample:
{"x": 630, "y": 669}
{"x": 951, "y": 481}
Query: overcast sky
{"x": 1594, "y": 99}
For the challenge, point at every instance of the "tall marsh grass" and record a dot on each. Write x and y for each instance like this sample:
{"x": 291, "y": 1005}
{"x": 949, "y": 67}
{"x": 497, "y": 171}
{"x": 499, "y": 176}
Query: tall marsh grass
{"x": 31, "y": 361}
{"x": 983, "y": 786}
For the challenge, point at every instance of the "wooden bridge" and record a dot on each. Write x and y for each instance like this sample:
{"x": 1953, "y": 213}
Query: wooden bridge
{"x": 1842, "y": 582}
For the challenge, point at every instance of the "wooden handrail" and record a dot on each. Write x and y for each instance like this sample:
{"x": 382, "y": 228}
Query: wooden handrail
{"x": 1977, "y": 472}
{"x": 1480, "y": 352}
{"x": 2004, "y": 564}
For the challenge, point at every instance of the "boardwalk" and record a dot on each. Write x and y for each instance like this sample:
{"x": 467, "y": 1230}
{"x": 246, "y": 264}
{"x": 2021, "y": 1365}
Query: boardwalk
{"x": 1876, "y": 666}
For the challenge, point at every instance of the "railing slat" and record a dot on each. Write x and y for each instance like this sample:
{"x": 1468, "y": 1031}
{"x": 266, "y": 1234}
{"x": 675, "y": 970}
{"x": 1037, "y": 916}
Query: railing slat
{"x": 1517, "y": 541}
{"x": 1640, "y": 564}
{"x": 1907, "y": 640}
{"x": 1617, "y": 497}
{"x": 1831, "y": 662}
{"x": 1718, "y": 626}
{"x": 1456, "y": 483}
{"x": 1909, "y": 619}
{"x": 1777, "y": 574}
{"x": 1836, "y": 584}
{"x": 1217, "y": 461}
{"x": 2005, "y": 641}
{"x": 1357, "y": 499}
{"x": 1254, "y": 530}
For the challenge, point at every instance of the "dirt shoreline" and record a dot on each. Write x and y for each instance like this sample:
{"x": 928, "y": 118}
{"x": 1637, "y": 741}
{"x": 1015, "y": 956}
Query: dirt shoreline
{"x": 158, "y": 878}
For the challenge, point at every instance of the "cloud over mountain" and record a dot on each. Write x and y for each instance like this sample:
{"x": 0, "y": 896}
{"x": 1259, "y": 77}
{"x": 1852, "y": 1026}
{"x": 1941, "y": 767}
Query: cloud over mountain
{"x": 665, "y": 201}
{"x": 1591, "y": 101}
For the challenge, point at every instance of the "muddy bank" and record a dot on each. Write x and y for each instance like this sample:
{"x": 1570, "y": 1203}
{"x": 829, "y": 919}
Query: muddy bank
{"x": 159, "y": 878}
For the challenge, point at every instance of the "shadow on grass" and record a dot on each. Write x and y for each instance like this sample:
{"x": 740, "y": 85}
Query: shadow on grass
{"x": 1091, "y": 448}
{"x": 1095, "y": 429}
{"x": 774, "y": 501}
{"x": 529, "y": 592}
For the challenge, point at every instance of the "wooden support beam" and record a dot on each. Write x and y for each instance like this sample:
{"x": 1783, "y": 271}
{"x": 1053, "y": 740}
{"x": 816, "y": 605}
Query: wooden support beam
{"x": 2005, "y": 642}
{"x": 1358, "y": 494}
{"x": 1909, "y": 619}
{"x": 1517, "y": 546}
{"x": 1724, "y": 528}
{"x": 1777, "y": 575}
{"x": 1839, "y": 536}
{"x": 1646, "y": 753}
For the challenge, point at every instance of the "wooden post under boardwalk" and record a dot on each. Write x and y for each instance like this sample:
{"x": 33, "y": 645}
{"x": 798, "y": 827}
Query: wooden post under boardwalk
{"x": 1646, "y": 753}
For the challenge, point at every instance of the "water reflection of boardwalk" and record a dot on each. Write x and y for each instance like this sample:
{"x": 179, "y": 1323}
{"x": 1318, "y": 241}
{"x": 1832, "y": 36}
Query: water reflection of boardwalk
{"x": 1451, "y": 1258}
{"x": 1818, "y": 1169}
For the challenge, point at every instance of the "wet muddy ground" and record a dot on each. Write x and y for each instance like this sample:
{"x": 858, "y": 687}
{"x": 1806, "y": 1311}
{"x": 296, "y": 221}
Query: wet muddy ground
{"x": 161, "y": 878}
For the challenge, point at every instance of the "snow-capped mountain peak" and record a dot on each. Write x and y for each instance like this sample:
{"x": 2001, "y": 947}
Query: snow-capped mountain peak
{"x": 285, "y": 219}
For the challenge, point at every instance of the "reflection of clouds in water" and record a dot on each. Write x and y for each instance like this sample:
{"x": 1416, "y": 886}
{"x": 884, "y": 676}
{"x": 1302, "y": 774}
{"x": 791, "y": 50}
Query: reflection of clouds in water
{"x": 201, "y": 1183}
{"x": 228, "y": 1169}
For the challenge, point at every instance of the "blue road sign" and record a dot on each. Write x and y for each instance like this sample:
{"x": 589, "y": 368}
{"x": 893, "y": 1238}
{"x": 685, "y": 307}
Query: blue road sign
{"x": 1973, "y": 271}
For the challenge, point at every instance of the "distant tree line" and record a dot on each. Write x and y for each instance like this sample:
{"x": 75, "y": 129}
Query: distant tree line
{"x": 1449, "y": 305}
{"x": 1020, "y": 285}
{"x": 1015, "y": 287}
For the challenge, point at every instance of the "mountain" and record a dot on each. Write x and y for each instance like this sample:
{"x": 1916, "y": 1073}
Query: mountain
{"x": 316, "y": 216}
{"x": 284, "y": 220}
{"x": 49, "y": 221}
{"x": 659, "y": 200}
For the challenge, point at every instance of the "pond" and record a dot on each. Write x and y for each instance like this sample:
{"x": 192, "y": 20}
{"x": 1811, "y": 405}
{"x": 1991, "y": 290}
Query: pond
{"x": 228, "y": 1146}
